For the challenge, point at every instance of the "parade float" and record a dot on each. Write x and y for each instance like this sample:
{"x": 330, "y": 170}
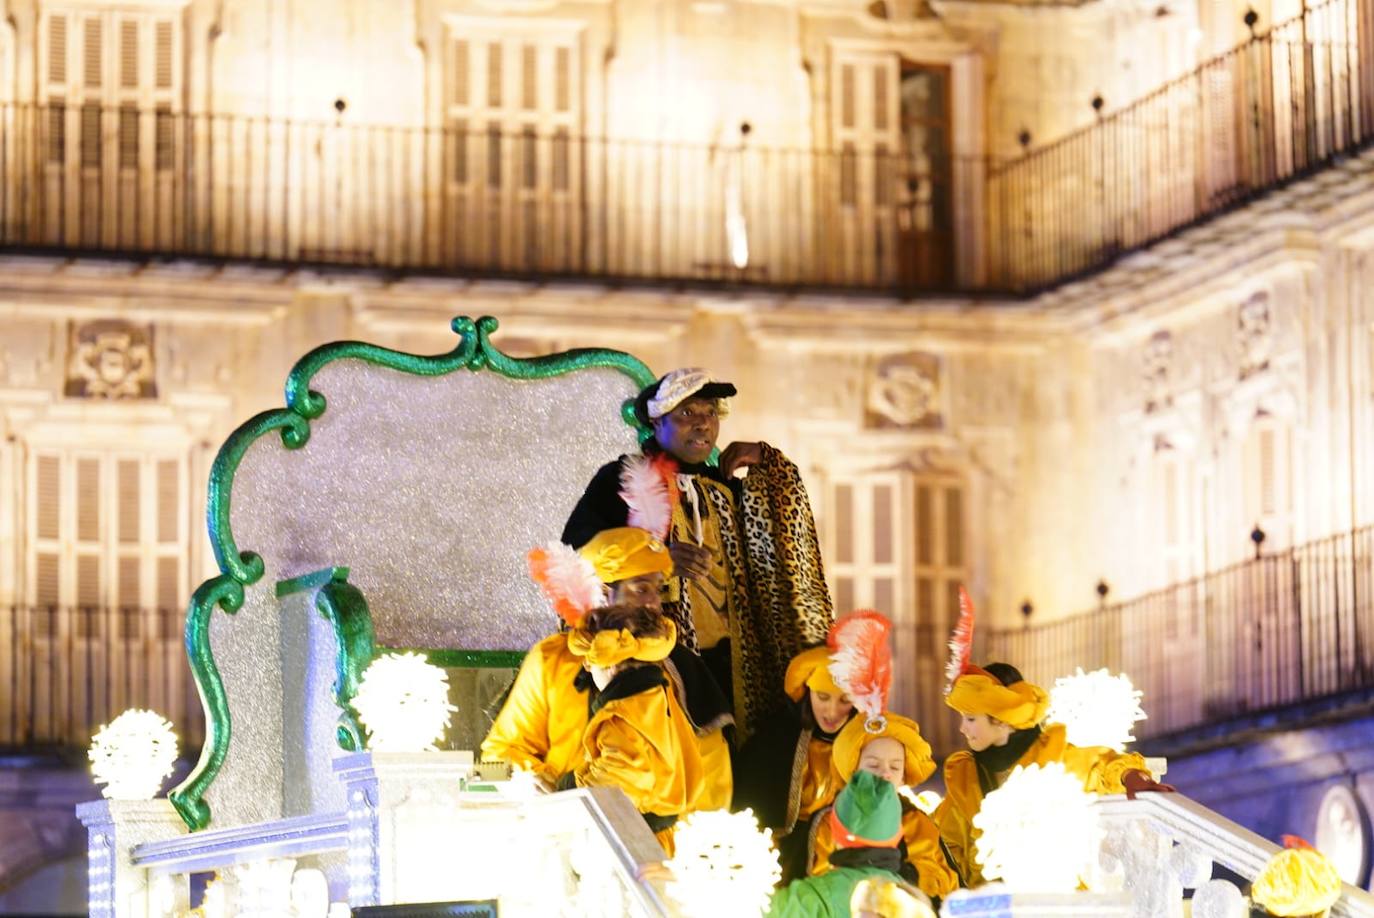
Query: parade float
{"x": 383, "y": 514}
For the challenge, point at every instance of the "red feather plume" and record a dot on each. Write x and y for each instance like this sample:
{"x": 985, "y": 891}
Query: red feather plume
{"x": 861, "y": 659}
{"x": 960, "y": 642}
{"x": 568, "y": 580}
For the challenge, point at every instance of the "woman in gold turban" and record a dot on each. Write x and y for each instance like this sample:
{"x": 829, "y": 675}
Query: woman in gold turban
{"x": 784, "y": 773}
{"x": 1001, "y": 722}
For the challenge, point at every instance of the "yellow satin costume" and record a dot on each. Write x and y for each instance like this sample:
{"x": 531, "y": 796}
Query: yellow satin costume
{"x": 935, "y": 877}
{"x": 644, "y": 745}
{"x": 1100, "y": 769}
{"x": 541, "y": 724}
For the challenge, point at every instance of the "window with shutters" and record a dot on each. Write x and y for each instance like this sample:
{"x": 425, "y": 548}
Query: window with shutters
{"x": 891, "y": 131}
{"x": 864, "y": 120}
{"x": 515, "y": 93}
{"x": 109, "y": 77}
{"x": 512, "y": 106}
{"x": 1268, "y": 482}
{"x": 896, "y": 543}
{"x": 109, "y": 530}
{"x": 1177, "y": 529}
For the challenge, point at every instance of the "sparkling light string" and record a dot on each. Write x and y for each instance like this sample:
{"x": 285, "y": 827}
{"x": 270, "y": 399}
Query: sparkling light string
{"x": 403, "y": 701}
{"x": 725, "y": 866}
{"x": 1097, "y": 708}
{"x": 133, "y": 755}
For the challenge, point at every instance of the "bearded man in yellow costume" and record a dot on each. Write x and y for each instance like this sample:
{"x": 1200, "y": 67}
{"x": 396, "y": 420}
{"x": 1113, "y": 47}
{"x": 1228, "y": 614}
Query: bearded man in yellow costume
{"x": 541, "y": 724}
{"x": 1002, "y": 717}
{"x": 749, "y": 592}
{"x": 637, "y": 738}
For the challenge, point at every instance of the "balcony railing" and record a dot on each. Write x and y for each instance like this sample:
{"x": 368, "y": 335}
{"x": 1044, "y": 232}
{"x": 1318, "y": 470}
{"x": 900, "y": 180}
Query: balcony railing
{"x": 1287, "y": 103}
{"x": 65, "y": 671}
{"x": 528, "y": 204}
{"x": 551, "y": 204}
{"x": 1280, "y": 630}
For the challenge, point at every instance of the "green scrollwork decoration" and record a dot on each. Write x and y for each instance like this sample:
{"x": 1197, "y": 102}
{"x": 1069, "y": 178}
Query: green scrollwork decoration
{"x": 188, "y": 797}
{"x": 239, "y": 569}
{"x": 343, "y": 606}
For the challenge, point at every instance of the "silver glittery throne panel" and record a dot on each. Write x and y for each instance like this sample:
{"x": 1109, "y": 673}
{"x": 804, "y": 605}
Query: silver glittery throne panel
{"x": 431, "y": 490}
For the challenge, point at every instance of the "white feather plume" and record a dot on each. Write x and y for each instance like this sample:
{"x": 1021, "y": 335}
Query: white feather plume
{"x": 646, "y": 493}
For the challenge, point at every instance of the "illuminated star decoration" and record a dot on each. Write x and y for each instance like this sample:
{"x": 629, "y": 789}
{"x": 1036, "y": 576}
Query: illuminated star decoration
{"x": 724, "y": 865}
{"x": 1097, "y": 708}
{"x": 133, "y": 755}
{"x": 402, "y": 700}
{"x": 1040, "y": 830}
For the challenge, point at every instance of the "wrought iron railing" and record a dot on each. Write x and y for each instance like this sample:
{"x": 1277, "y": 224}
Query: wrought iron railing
{"x": 1285, "y": 628}
{"x": 64, "y": 671}
{"x": 1285, "y": 104}
{"x": 479, "y": 202}
{"x": 550, "y": 204}
{"x": 532, "y": 203}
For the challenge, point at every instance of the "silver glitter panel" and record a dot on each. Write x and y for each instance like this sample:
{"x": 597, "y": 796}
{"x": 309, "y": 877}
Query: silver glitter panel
{"x": 309, "y": 714}
{"x": 432, "y": 490}
{"x": 247, "y": 650}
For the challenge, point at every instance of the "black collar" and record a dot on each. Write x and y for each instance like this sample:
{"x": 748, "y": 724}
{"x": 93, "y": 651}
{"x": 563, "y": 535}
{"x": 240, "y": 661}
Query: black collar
{"x": 889, "y": 859}
{"x": 629, "y": 682}
{"x": 994, "y": 760}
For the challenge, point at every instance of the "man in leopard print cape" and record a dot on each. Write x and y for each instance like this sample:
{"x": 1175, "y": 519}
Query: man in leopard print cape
{"x": 752, "y": 592}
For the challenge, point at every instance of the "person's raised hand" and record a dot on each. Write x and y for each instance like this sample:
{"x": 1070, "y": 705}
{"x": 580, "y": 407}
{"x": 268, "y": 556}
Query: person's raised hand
{"x": 691, "y": 562}
{"x": 738, "y": 456}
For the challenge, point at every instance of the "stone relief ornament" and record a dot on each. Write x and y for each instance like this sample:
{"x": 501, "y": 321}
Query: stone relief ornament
{"x": 904, "y": 392}
{"x": 110, "y": 359}
{"x": 1254, "y": 334}
{"x": 1157, "y": 371}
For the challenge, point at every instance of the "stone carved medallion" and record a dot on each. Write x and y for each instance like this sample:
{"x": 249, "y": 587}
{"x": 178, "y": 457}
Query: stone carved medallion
{"x": 903, "y": 392}
{"x": 110, "y": 359}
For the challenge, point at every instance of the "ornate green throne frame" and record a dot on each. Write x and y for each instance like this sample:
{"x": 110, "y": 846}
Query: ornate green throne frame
{"x": 396, "y": 518}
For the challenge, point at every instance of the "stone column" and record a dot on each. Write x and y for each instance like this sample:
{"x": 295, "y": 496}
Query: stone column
{"x": 116, "y": 886}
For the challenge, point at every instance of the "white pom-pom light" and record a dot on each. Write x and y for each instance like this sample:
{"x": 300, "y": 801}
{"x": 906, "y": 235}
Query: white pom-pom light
{"x": 1097, "y": 708}
{"x": 403, "y": 701}
{"x": 1040, "y": 830}
{"x": 133, "y": 755}
{"x": 724, "y": 865}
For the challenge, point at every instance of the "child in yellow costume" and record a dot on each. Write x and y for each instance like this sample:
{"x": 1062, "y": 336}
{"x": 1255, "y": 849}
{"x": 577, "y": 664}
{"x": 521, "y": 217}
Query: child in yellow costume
{"x": 891, "y": 747}
{"x": 883, "y": 744}
{"x": 540, "y": 725}
{"x": 784, "y": 773}
{"x": 638, "y": 738}
{"x": 1001, "y": 722}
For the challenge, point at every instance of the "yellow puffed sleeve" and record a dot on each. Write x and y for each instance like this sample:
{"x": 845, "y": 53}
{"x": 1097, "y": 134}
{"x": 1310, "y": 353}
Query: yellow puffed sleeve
{"x": 1100, "y": 768}
{"x": 644, "y": 745}
{"x": 718, "y": 780}
{"x": 934, "y": 875}
{"x": 540, "y": 726}
{"x": 954, "y": 815}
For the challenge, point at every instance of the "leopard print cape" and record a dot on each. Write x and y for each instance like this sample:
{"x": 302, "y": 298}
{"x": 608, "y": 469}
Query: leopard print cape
{"x": 781, "y": 600}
